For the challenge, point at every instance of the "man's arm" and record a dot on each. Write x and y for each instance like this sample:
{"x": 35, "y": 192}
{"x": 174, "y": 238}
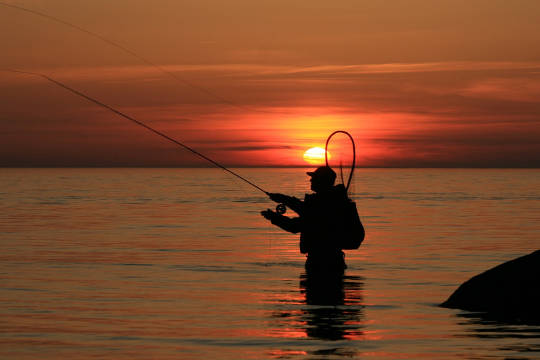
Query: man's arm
{"x": 291, "y": 202}
{"x": 286, "y": 223}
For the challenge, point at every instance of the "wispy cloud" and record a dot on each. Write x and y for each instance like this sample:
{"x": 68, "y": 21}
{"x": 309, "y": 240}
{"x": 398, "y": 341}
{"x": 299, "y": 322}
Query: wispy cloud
{"x": 516, "y": 89}
{"x": 257, "y": 147}
{"x": 149, "y": 73}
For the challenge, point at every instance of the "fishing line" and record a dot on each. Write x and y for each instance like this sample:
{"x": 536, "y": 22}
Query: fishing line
{"x": 132, "y": 53}
{"x": 165, "y": 71}
{"x": 110, "y": 108}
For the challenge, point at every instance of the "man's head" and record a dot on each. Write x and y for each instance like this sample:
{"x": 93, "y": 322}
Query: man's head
{"x": 322, "y": 178}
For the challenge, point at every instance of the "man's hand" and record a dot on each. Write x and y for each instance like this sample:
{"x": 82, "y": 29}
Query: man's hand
{"x": 268, "y": 214}
{"x": 279, "y": 198}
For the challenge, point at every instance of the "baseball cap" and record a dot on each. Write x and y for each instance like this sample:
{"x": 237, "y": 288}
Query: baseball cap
{"x": 323, "y": 172}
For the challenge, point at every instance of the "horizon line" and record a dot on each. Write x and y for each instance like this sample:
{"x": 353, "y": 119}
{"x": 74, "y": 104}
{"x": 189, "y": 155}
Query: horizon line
{"x": 262, "y": 167}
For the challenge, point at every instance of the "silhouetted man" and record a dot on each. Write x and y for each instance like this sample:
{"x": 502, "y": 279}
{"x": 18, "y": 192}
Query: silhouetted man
{"x": 326, "y": 221}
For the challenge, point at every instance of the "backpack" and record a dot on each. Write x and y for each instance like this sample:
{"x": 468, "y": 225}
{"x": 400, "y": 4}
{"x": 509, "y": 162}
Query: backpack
{"x": 351, "y": 233}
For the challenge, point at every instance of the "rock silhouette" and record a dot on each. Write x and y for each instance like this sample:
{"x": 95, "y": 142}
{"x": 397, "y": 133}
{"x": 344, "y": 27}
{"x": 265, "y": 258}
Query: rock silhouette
{"x": 509, "y": 291}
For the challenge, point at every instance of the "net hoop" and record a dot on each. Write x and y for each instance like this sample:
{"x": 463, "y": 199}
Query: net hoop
{"x": 353, "y": 151}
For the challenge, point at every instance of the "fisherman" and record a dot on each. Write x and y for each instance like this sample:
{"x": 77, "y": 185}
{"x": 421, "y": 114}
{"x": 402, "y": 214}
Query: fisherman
{"x": 326, "y": 222}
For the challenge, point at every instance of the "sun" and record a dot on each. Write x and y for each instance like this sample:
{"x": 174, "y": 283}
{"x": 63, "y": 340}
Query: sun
{"x": 315, "y": 156}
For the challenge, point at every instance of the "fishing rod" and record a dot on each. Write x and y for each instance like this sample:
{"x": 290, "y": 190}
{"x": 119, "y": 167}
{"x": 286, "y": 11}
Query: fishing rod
{"x": 140, "y": 123}
{"x": 131, "y": 53}
{"x": 280, "y": 208}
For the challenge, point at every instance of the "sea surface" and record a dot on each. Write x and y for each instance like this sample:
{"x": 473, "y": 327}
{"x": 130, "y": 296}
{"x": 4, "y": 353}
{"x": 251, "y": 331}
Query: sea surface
{"x": 179, "y": 264}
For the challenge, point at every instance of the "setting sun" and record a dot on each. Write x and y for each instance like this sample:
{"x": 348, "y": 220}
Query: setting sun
{"x": 315, "y": 156}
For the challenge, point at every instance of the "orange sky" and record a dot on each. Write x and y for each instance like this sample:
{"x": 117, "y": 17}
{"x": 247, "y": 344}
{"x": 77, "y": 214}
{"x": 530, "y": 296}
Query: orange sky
{"x": 417, "y": 83}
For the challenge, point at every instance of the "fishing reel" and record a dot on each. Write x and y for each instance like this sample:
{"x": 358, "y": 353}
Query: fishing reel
{"x": 281, "y": 209}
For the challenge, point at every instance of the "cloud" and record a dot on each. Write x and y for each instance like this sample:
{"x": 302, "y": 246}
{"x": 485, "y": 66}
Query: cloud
{"x": 151, "y": 73}
{"x": 520, "y": 89}
{"x": 472, "y": 135}
{"x": 257, "y": 147}
{"x": 403, "y": 114}
{"x": 458, "y": 145}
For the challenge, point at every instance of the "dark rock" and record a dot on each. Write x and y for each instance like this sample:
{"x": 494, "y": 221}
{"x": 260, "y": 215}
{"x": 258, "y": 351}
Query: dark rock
{"x": 508, "y": 291}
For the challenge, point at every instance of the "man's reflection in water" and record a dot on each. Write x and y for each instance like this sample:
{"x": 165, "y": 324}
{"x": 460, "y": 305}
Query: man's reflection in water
{"x": 333, "y": 308}
{"x": 329, "y": 309}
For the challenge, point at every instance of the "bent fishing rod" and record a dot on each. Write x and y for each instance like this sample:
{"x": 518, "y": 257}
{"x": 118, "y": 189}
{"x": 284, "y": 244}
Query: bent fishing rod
{"x": 140, "y": 123}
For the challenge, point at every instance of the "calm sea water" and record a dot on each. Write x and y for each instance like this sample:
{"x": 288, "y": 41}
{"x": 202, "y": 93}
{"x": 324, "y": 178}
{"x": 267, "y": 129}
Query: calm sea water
{"x": 178, "y": 264}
